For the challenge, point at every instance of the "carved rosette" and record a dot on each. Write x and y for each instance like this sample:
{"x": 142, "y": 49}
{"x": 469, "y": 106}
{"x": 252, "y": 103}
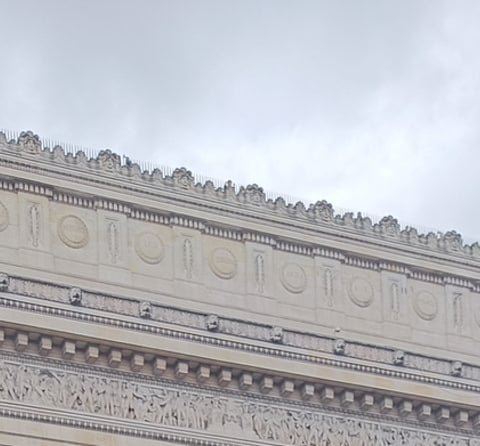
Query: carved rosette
{"x": 293, "y": 278}
{"x": 425, "y": 305}
{"x": 223, "y": 263}
{"x": 360, "y": 292}
{"x": 149, "y": 247}
{"x": 4, "y": 220}
{"x": 73, "y": 231}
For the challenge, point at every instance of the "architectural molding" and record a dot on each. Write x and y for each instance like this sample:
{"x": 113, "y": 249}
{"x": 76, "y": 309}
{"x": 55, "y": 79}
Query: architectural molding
{"x": 149, "y": 304}
{"x": 115, "y": 306}
{"x": 107, "y": 164}
{"x": 141, "y": 402}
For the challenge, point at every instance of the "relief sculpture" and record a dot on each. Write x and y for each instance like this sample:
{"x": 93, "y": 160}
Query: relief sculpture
{"x": 458, "y": 311}
{"x": 394, "y": 300}
{"x": 192, "y": 409}
{"x": 34, "y": 220}
{"x": 112, "y": 241}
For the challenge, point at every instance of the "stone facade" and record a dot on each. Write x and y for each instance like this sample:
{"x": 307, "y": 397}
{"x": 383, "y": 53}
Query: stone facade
{"x": 144, "y": 306}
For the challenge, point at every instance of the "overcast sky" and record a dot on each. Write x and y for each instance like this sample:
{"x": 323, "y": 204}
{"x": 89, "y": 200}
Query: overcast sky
{"x": 371, "y": 105}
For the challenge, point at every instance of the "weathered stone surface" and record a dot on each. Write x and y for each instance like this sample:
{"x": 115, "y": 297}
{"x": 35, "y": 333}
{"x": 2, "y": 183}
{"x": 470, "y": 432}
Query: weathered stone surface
{"x": 166, "y": 306}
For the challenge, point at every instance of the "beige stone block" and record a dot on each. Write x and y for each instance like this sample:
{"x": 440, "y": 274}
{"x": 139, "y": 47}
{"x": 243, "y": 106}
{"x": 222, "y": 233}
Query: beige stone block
{"x": 476, "y": 421}
{"x": 21, "y": 342}
{"x": 367, "y": 401}
{"x": 224, "y": 377}
{"x": 307, "y": 391}
{"x": 424, "y": 411}
{"x": 266, "y": 384}
{"x": 45, "y": 345}
{"x": 181, "y": 369}
{"x": 461, "y": 418}
{"x": 91, "y": 354}
{"x": 203, "y": 373}
{"x": 287, "y": 387}
{"x": 386, "y": 404}
{"x": 347, "y": 398}
{"x": 245, "y": 381}
{"x": 159, "y": 366}
{"x": 137, "y": 362}
{"x": 68, "y": 349}
{"x": 114, "y": 358}
{"x": 405, "y": 408}
{"x": 327, "y": 395}
{"x": 442, "y": 414}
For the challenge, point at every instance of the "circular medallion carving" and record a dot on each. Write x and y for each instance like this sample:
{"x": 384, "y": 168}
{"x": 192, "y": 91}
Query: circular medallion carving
{"x": 361, "y": 292}
{"x": 149, "y": 247}
{"x": 425, "y": 305}
{"x": 293, "y": 278}
{"x": 73, "y": 231}
{"x": 3, "y": 217}
{"x": 223, "y": 263}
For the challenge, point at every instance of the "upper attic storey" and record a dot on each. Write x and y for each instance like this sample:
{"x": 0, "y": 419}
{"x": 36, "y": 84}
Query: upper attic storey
{"x": 27, "y": 160}
{"x": 105, "y": 225}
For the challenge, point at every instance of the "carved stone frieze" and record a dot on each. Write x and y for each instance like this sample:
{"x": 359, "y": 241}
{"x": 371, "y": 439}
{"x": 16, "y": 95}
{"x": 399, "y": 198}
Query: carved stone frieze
{"x": 242, "y": 329}
{"x": 161, "y": 403}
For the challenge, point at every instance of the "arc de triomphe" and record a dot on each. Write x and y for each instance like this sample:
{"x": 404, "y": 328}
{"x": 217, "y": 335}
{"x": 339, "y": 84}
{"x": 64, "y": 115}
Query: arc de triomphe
{"x": 140, "y": 308}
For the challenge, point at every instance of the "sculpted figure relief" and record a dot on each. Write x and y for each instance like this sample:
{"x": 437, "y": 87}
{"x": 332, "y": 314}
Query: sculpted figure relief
{"x": 186, "y": 408}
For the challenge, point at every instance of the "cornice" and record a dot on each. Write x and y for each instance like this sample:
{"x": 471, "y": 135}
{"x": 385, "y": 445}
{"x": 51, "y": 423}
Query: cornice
{"x": 113, "y": 354}
{"x": 152, "y": 318}
{"x": 335, "y": 403}
{"x": 28, "y": 153}
{"x": 432, "y": 272}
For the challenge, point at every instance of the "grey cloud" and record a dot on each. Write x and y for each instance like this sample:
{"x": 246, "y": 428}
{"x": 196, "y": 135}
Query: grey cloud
{"x": 372, "y": 105}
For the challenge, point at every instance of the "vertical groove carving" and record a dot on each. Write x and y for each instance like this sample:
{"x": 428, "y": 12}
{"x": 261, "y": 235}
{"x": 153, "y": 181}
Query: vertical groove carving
{"x": 112, "y": 233}
{"x": 188, "y": 258}
{"x": 260, "y": 272}
{"x": 34, "y": 216}
{"x": 328, "y": 282}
